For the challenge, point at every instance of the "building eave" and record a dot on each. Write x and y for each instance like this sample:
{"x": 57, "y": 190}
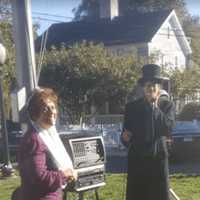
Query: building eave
{"x": 172, "y": 18}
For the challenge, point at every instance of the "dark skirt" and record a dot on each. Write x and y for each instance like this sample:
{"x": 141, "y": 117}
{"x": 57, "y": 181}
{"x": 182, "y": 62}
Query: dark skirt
{"x": 147, "y": 179}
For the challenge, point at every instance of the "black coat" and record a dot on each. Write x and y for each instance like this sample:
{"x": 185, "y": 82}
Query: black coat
{"x": 147, "y": 168}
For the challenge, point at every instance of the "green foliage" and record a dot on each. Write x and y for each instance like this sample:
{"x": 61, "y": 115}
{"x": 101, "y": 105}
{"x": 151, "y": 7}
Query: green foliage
{"x": 88, "y": 69}
{"x": 7, "y": 186}
{"x": 156, "y": 5}
{"x": 186, "y": 187}
{"x": 192, "y": 28}
{"x": 190, "y": 111}
{"x": 8, "y": 68}
{"x": 88, "y": 9}
{"x": 185, "y": 83}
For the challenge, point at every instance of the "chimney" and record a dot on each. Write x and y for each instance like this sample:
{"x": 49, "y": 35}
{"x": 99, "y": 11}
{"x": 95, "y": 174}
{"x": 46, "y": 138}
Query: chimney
{"x": 109, "y": 9}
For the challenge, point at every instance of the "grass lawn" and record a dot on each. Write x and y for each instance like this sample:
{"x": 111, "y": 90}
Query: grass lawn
{"x": 187, "y": 188}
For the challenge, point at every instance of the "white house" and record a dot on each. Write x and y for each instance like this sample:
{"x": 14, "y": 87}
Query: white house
{"x": 171, "y": 44}
{"x": 167, "y": 42}
{"x": 153, "y": 34}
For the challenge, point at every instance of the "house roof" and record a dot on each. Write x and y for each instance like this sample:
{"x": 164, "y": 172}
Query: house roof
{"x": 133, "y": 28}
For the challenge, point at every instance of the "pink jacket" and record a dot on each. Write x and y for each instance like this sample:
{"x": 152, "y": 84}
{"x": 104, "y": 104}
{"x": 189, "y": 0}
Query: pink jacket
{"x": 40, "y": 180}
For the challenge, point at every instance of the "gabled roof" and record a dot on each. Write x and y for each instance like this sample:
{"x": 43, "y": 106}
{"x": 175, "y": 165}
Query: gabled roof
{"x": 133, "y": 28}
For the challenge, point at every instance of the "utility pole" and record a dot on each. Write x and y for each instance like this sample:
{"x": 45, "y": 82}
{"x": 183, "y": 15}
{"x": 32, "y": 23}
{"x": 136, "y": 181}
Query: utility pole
{"x": 23, "y": 38}
{"x": 25, "y": 70}
{"x": 25, "y": 52}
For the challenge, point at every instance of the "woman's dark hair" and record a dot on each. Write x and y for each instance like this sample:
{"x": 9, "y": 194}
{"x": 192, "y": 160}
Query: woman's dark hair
{"x": 36, "y": 101}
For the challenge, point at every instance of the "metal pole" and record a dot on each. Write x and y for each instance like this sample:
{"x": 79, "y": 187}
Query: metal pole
{"x": 80, "y": 196}
{"x": 96, "y": 194}
{"x": 23, "y": 38}
{"x": 173, "y": 194}
{"x": 25, "y": 55}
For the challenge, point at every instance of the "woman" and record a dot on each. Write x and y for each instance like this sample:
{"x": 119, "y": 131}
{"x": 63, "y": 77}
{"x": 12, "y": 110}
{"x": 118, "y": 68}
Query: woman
{"x": 44, "y": 164}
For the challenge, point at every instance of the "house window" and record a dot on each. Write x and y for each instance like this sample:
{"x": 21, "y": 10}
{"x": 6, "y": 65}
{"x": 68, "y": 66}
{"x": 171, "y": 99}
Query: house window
{"x": 162, "y": 60}
{"x": 142, "y": 51}
{"x": 120, "y": 51}
{"x": 168, "y": 32}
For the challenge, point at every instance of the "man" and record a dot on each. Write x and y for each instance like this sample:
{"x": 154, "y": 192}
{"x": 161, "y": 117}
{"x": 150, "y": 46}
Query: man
{"x": 146, "y": 126}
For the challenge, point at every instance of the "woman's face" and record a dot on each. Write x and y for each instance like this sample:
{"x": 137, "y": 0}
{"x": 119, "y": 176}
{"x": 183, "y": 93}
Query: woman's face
{"x": 48, "y": 115}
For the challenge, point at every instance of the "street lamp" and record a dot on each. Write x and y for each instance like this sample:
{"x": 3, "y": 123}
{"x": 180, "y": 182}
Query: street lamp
{"x": 6, "y": 169}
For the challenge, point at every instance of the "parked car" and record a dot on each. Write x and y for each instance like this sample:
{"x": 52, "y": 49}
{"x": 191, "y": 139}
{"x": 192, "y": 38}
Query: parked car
{"x": 186, "y": 140}
{"x": 14, "y": 133}
{"x": 14, "y": 138}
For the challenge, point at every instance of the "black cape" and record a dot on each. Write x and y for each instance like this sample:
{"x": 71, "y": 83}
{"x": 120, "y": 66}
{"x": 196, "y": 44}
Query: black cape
{"x": 148, "y": 173}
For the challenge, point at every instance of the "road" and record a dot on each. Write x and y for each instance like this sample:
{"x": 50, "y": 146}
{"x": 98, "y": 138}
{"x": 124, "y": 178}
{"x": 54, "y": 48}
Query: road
{"x": 118, "y": 164}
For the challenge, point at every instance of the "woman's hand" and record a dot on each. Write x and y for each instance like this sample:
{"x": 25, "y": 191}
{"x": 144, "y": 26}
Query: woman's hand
{"x": 75, "y": 174}
{"x": 70, "y": 174}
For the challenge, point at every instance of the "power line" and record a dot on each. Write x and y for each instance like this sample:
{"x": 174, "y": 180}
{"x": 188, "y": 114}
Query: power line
{"x": 50, "y": 20}
{"x": 51, "y": 15}
{"x": 38, "y": 13}
{"x": 66, "y": 17}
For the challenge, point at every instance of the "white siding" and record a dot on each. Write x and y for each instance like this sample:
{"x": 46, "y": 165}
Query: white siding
{"x": 167, "y": 48}
{"x": 123, "y": 49}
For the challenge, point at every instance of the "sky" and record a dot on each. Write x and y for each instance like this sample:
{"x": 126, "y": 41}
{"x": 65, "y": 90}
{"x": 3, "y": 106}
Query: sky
{"x": 42, "y": 9}
{"x": 46, "y": 12}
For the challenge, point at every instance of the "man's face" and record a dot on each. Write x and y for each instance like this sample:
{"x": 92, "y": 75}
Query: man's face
{"x": 151, "y": 91}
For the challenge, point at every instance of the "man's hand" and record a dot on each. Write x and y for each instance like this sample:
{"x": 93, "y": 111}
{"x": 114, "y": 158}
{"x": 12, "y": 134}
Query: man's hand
{"x": 155, "y": 103}
{"x": 126, "y": 136}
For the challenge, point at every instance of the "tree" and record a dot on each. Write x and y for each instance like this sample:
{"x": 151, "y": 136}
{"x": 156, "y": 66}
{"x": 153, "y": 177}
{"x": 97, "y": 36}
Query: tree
{"x": 156, "y": 5}
{"x": 88, "y": 69}
{"x": 6, "y": 34}
{"x": 185, "y": 84}
{"x": 191, "y": 26}
{"x": 89, "y": 9}
{"x": 5, "y": 10}
{"x": 8, "y": 67}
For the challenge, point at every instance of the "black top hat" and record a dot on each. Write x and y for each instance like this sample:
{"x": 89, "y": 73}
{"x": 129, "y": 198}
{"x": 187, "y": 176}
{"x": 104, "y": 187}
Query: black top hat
{"x": 151, "y": 72}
